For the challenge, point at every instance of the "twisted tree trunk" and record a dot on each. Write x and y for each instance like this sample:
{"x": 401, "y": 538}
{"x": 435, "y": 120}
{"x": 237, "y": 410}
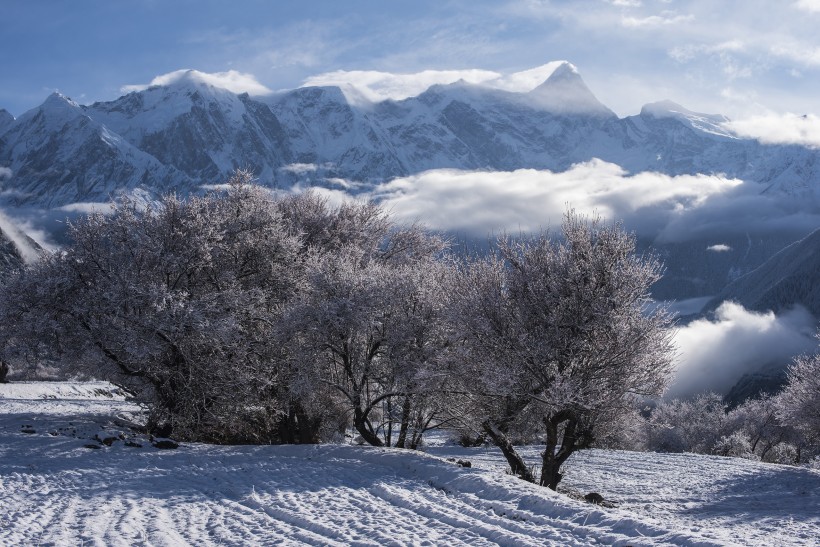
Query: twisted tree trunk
{"x": 500, "y": 439}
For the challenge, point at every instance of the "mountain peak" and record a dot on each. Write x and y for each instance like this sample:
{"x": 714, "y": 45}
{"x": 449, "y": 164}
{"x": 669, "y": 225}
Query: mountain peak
{"x": 565, "y": 70}
{"x": 57, "y": 99}
{"x": 565, "y": 92}
{"x": 710, "y": 123}
{"x": 57, "y": 109}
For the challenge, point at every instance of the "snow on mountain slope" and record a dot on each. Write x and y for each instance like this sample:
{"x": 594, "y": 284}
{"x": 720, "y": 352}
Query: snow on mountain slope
{"x": 323, "y": 128}
{"x": 204, "y": 131}
{"x": 58, "y": 155}
{"x": 564, "y": 92}
{"x": 54, "y": 490}
{"x": 708, "y": 123}
{"x": 199, "y": 133}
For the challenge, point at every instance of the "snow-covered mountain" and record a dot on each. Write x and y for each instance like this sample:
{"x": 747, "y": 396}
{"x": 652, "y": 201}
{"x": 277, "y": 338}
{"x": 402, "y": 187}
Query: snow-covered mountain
{"x": 189, "y": 134}
{"x": 58, "y": 154}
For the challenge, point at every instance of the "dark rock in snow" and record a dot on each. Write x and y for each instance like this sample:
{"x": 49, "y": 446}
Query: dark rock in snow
{"x": 594, "y": 497}
{"x": 165, "y": 444}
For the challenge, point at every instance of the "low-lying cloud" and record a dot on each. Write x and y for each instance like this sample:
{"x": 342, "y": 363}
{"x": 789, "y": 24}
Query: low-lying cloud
{"x": 714, "y": 354}
{"x": 479, "y": 202}
{"x": 663, "y": 208}
{"x": 719, "y": 248}
{"x": 803, "y": 130}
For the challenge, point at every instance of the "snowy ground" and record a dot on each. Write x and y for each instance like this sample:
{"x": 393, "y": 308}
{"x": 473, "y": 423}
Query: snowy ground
{"x": 56, "y": 491}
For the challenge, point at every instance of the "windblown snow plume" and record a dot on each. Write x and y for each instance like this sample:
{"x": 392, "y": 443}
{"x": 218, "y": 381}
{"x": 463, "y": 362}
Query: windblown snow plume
{"x": 233, "y": 81}
{"x": 376, "y": 86}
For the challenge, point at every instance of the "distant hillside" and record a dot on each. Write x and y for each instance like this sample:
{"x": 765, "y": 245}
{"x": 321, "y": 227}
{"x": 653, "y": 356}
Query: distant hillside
{"x": 791, "y": 276}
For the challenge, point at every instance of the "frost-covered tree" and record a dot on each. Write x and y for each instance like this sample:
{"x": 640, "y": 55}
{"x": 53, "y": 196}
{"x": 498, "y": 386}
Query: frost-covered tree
{"x": 682, "y": 425}
{"x": 769, "y": 439}
{"x": 560, "y": 339}
{"x": 367, "y": 327}
{"x": 174, "y": 300}
{"x": 799, "y": 402}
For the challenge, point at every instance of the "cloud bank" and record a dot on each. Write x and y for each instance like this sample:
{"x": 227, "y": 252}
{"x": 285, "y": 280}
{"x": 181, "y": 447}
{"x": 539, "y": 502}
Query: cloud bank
{"x": 656, "y": 206}
{"x": 478, "y": 202}
{"x": 779, "y": 129}
{"x": 715, "y": 354}
{"x": 233, "y": 81}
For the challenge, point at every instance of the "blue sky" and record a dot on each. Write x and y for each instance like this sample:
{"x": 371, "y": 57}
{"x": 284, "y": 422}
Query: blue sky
{"x": 747, "y": 58}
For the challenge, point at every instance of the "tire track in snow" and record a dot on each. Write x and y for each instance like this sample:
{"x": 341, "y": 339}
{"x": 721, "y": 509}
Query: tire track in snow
{"x": 323, "y": 495}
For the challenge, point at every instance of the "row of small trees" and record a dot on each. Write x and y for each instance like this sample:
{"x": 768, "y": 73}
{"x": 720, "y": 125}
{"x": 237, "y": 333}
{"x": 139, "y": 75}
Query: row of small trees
{"x": 782, "y": 428}
{"x": 240, "y": 317}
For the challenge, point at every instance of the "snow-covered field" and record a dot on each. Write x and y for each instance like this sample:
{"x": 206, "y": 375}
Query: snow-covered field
{"x": 56, "y": 491}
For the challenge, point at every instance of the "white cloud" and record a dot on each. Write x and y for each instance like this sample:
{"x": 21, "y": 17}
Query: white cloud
{"x": 87, "y": 208}
{"x": 799, "y": 52}
{"x": 14, "y": 234}
{"x": 719, "y": 248}
{"x": 526, "y": 80}
{"x": 664, "y": 20}
{"x": 626, "y": 3}
{"x": 689, "y": 52}
{"x": 774, "y": 128}
{"x": 233, "y": 81}
{"x": 714, "y": 354}
{"x": 300, "y": 168}
{"x": 5, "y": 173}
{"x": 808, "y": 5}
{"x": 378, "y": 86}
{"x": 479, "y": 202}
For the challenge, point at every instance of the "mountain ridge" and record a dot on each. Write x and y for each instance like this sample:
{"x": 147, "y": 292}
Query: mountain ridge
{"x": 189, "y": 135}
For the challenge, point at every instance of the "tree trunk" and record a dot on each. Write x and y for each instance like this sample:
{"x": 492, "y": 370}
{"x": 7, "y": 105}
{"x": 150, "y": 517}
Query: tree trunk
{"x": 405, "y": 422}
{"x": 4, "y": 370}
{"x": 553, "y": 458}
{"x": 388, "y": 433}
{"x": 362, "y": 425}
{"x": 308, "y": 427}
{"x": 501, "y": 440}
